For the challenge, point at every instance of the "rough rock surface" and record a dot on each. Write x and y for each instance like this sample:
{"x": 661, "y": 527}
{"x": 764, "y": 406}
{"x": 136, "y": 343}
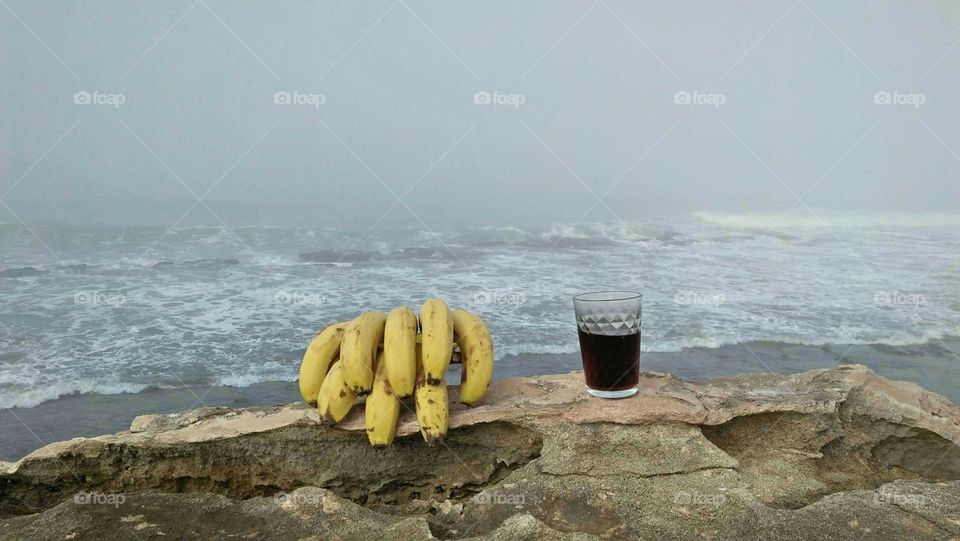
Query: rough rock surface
{"x": 828, "y": 454}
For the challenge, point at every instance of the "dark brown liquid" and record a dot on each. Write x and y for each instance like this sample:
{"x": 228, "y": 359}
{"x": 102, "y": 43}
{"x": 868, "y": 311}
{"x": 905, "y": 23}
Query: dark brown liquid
{"x": 610, "y": 363}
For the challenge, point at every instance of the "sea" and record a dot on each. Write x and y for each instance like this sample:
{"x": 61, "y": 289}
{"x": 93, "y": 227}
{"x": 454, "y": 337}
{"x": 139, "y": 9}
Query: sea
{"x": 99, "y": 323}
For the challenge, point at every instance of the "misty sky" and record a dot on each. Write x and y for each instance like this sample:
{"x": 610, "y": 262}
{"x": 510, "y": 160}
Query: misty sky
{"x": 597, "y": 82}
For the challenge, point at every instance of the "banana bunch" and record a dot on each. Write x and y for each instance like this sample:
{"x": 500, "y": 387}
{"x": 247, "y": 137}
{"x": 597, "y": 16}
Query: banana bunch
{"x": 388, "y": 357}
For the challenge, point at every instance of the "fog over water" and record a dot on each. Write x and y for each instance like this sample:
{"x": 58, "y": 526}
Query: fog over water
{"x": 189, "y": 190}
{"x": 787, "y": 90}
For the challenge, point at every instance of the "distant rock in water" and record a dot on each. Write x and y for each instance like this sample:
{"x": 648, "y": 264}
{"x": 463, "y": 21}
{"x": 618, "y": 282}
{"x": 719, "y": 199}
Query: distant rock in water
{"x": 12, "y": 357}
{"x": 357, "y": 256}
{"x": 337, "y": 256}
{"x": 837, "y": 453}
{"x": 20, "y": 272}
{"x": 212, "y": 262}
{"x": 417, "y": 252}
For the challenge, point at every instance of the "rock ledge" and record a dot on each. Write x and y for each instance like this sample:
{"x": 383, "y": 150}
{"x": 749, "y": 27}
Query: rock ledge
{"x": 839, "y": 453}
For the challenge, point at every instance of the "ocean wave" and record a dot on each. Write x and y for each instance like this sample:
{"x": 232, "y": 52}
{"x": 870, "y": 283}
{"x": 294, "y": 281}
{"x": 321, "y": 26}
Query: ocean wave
{"x": 359, "y": 256}
{"x": 246, "y": 380}
{"x": 827, "y": 219}
{"x": 119, "y": 264}
{"x": 220, "y": 312}
{"x": 39, "y": 395}
{"x": 286, "y": 372}
{"x": 506, "y": 234}
{"x": 29, "y": 398}
{"x": 895, "y": 339}
{"x": 517, "y": 350}
{"x": 615, "y": 231}
{"x": 581, "y": 235}
{"x": 212, "y": 262}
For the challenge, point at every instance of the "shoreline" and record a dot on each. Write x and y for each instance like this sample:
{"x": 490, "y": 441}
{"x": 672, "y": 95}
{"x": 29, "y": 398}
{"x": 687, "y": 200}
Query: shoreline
{"x": 931, "y": 365}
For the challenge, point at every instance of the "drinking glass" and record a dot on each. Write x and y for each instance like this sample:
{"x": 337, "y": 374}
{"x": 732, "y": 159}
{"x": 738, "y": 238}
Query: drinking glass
{"x": 608, "y": 323}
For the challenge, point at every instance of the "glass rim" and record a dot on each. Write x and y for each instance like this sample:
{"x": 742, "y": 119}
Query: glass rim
{"x": 625, "y": 295}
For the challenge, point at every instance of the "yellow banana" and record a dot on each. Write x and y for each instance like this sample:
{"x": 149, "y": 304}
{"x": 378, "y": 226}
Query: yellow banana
{"x": 431, "y": 405}
{"x": 382, "y": 409}
{"x": 359, "y": 349}
{"x": 400, "y": 350}
{"x": 335, "y": 398}
{"x": 323, "y": 349}
{"x": 436, "y": 326}
{"x": 476, "y": 350}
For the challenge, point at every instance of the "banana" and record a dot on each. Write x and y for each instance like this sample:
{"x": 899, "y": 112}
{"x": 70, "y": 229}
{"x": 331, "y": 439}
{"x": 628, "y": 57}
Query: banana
{"x": 359, "y": 349}
{"x": 323, "y": 349}
{"x": 335, "y": 398}
{"x": 431, "y": 405}
{"x": 476, "y": 350}
{"x": 400, "y": 350}
{"x": 382, "y": 409}
{"x": 436, "y": 326}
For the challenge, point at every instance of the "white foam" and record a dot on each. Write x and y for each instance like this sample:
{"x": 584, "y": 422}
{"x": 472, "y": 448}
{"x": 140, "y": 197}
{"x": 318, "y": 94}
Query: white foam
{"x": 896, "y": 339}
{"x": 39, "y": 395}
{"x": 533, "y": 349}
{"x": 828, "y": 219}
{"x": 224, "y": 324}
